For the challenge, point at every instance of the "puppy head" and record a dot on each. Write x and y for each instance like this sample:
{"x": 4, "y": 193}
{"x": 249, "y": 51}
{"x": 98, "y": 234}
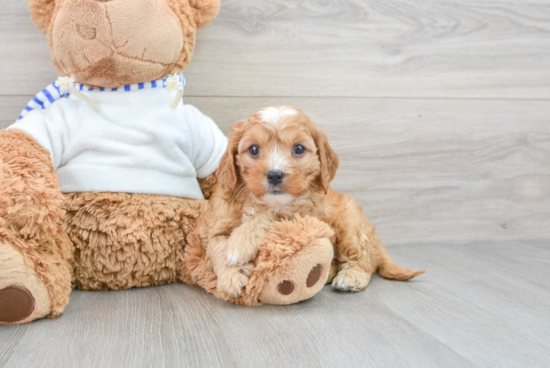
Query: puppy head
{"x": 279, "y": 155}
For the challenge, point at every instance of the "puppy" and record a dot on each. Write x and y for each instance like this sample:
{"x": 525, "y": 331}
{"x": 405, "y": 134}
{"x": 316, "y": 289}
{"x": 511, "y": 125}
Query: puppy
{"x": 277, "y": 165}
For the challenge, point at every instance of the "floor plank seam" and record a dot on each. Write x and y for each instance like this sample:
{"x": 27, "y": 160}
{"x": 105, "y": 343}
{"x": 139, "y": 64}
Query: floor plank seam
{"x": 353, "y": 97}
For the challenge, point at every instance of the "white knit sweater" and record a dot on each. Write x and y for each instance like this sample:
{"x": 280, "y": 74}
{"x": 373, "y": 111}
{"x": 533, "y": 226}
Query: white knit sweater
{"x": 136, "y": 143}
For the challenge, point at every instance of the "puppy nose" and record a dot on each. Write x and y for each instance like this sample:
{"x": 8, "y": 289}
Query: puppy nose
{"x": 275, "y": 177}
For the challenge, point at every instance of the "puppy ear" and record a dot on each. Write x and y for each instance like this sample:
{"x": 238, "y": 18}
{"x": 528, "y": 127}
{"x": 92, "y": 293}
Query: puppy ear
{"x": 329, "y": 159}
{"x": 204, "y": 11}
{"x": 226, "y": 174}
{"x": 41, "y": 12}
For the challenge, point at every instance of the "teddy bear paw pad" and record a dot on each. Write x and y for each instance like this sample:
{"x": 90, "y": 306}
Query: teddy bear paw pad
{"x": 297, "y": 281}
{"x": 16, "y": 303}
{"x": 314, "y": 275}
{"x": 286, "y": 287}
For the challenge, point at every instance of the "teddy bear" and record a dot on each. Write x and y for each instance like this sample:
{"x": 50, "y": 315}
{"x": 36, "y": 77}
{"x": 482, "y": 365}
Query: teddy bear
{"x": 106, "y": 171}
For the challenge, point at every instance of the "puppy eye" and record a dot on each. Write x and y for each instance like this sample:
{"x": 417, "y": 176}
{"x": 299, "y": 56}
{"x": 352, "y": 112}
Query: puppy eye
{"x": 254, "y": 150}
{"x": 299, "y": 149}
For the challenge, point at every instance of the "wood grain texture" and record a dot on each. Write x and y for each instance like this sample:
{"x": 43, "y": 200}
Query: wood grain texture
{"x": 432, "y": 170}
{"x": 479, "y": 304}
{"x": 449, "y": 48}
{"x": 435, "y": 48}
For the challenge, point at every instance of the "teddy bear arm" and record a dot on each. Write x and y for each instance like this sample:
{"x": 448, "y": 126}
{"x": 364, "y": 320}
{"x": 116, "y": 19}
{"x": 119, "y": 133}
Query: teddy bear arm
{"x": 30, "y": 195}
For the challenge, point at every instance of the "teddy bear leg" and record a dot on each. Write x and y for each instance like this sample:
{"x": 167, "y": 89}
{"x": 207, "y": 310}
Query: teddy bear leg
{"x": 126, "y": 240}
{"x": 35, "y": 278}
{"x": 35, "y": 252}
{"x": 23, "y": 296}
{"x": 294, "y": 262}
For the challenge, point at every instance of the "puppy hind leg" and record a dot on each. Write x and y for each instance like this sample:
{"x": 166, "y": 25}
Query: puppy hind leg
{"x": 354, "y": 268}
{"x": 333, "y": 271}
{"x": 351, "y": 277}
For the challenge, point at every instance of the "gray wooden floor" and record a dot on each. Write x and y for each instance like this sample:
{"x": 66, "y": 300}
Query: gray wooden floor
{"x": 481, "y": 304}
{"x": 440, "y": 113}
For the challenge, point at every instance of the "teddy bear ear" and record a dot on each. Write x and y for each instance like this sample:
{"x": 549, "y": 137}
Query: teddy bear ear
{"x": 41, "y": 12}
{"x": 204, "y": 11}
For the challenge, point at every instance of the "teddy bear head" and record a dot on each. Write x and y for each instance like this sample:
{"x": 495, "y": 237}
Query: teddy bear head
{"x": 110, "y": 43}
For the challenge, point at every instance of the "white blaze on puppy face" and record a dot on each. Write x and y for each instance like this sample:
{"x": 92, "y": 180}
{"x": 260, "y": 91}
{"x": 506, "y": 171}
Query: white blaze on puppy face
{"x": 277, "y": 160}
{"x": 274, "y": 115}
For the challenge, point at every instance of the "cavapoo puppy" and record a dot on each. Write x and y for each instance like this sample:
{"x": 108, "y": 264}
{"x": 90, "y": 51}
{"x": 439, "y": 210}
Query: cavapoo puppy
{"x": 279, "y": 165}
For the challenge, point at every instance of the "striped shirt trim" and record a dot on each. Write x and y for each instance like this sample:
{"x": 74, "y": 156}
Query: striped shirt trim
{"x": 52, "y": 93}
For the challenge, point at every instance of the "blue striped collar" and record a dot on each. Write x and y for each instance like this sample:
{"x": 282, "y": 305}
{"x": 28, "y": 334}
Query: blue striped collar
{"x": 52, "y": 93}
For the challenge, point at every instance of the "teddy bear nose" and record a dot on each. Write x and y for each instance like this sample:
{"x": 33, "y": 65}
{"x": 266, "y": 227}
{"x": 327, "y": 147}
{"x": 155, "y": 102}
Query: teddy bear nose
{"x": 275, "y": 177}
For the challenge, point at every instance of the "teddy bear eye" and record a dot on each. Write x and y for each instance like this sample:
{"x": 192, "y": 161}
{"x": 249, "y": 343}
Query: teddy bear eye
{"x": 299, "y": 149}
{"x": 254, "y": 150}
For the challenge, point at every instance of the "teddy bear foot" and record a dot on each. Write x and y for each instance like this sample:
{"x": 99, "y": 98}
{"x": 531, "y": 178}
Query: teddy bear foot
{"x": 16, "y": 304}
{"x": 303, "y": 277}
{"x": 294, "y": 263}
{"x": 23, "y": 296}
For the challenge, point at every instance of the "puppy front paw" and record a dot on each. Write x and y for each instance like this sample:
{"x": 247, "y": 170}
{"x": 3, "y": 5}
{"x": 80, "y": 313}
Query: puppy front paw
{"x": 242, "y": 245}
{"x": 351, "y": 280}
{"x": 234, "y": 259}
{"x": 241, "y": 252}
{"x": 232, "y": 279}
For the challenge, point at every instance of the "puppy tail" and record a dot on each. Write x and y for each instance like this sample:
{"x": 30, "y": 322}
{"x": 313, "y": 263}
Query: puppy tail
{"x": 388, "y": 269}
{"x": 393, "y": 272}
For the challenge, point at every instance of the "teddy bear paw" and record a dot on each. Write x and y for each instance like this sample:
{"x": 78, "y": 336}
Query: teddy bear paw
{"x": 16, "y": 304}
{"x": 23, "y": 296}
{"x": 303, "y": 277}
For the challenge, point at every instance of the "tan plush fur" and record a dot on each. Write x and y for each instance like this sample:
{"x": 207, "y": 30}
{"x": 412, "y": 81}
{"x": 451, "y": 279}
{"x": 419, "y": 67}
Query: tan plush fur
{"x": 30, "y": 199}
{"x": 245, "y": 204}
{"x": 124, "y": 41}
{"x": 41, "y": 12}
{"x": 127, "y": 240}
{"x": 16, "y": 272}
{"x": 207, "y": 185}
{"x": 30, "y": 211}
